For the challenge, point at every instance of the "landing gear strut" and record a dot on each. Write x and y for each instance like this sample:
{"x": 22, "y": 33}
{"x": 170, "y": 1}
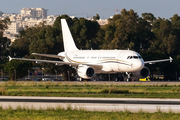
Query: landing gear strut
{"x": 129, "y": 76}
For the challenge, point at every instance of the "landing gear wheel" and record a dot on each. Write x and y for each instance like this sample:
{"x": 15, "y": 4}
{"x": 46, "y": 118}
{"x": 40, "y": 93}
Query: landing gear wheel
{"x": 116, "y": 79}
{"x": 129, "y": 79}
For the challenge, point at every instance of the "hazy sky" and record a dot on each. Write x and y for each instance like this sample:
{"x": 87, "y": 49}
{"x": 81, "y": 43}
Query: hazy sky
{"x": 89, "y": 8}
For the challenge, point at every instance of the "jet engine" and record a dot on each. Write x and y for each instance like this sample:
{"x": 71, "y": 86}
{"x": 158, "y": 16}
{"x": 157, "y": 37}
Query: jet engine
{"x": 143, "y": 73}
{"x": 85, "y": 72}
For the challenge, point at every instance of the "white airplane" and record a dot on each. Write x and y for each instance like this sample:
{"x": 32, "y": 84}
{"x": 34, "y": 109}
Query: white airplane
{"x": 89, "y": 62}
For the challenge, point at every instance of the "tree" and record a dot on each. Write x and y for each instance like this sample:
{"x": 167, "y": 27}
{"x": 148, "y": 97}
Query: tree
{"x": 149, "y": 17}
{"x": 4, "y": 42}
{"x": 165, "y": 41}
{"x": 97, "y": 17}
{"x": 17, "y": 67}
{"x": 127, "y": 30}
{"x": 175, "y": 26}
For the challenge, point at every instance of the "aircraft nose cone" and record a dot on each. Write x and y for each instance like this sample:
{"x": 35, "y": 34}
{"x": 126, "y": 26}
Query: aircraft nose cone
{"x": 139, "y": 65}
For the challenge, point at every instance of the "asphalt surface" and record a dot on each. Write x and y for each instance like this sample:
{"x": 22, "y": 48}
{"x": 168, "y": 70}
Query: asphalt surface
{"x": 92, "y": 104}
{"x": 102, "y": 101}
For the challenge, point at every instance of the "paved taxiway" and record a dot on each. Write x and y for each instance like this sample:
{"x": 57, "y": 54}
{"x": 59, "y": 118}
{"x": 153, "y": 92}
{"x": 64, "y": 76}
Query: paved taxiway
{"x": 93, "y": 104}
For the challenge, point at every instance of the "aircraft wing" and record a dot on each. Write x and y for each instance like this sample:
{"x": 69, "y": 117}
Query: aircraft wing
{"x": 96, "y": 66}
{"x": 48, "y": 55}
{"x": 154, "y": 61}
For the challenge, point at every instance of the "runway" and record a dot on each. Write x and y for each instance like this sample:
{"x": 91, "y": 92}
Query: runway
{"x": 93, "y": 104}
{"x": 89, "y": 100}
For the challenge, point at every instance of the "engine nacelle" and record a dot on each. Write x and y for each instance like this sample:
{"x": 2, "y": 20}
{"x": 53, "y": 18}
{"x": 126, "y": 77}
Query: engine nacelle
{"x": 143, "y": 73}
{"x": 85, "y": 72}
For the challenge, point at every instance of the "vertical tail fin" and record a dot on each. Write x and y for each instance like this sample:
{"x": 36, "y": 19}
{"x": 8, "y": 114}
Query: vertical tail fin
{"x": 68, "y": 41}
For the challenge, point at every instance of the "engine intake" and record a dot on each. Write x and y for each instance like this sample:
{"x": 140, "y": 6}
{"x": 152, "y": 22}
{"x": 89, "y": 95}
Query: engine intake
{"x": 85, "y": 72}
{"x": 143, "y": 73}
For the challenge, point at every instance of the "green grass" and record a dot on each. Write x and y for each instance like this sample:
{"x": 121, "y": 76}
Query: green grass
{"x": 88, "y": 90}
{"x": 61, "y": 114}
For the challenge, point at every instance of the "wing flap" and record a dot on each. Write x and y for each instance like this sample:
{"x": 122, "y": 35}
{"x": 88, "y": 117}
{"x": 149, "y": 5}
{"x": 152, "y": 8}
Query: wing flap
{"x": 48, "y": 55}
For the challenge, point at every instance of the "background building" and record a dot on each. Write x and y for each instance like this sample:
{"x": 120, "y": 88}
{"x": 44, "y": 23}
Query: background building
{"x": 34, "y": 12}
{"x": 13, "y": 28}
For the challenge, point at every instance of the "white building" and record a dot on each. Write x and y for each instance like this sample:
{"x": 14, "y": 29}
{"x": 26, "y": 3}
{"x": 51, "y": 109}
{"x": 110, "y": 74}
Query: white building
{"x": 34, "y": 12}
{"x": 12, "y": 31}
{"x": 102, "y": 22}
{"x": 27, "y": 12}
{"x": 40, "y": 12}
{"x": 13, "y": 28}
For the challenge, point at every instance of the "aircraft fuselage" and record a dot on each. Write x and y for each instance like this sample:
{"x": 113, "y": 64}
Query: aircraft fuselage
{"x": 111, "y": 60}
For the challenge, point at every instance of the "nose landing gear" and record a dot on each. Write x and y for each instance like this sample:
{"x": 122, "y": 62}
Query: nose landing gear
{"x": 129, "y": 76}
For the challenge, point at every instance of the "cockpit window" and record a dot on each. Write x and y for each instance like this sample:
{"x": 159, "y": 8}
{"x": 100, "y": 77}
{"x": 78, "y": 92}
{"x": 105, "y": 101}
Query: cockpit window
{"x": 134, "y": 57}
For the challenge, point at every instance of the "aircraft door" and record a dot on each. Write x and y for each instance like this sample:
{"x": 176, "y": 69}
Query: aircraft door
{"x": 123, "y": 62}
{"x": 120, "y": 59}
{"x": 121, "y": 54}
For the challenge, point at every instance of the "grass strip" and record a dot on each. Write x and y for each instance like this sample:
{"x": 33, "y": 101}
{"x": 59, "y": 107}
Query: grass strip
{"x": 88, "y": 90}
{"x": 62, "y": 114}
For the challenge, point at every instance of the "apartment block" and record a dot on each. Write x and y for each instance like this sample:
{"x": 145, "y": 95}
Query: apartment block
{"x": 27, "y": 12}
{"x": 40, "y": 12}
{"x": 13, "y": 28}
{"x": 34, "y": 12}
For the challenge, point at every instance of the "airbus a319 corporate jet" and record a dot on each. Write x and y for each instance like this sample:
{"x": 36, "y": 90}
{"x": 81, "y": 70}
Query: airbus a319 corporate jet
{"x": 89, "y": 62}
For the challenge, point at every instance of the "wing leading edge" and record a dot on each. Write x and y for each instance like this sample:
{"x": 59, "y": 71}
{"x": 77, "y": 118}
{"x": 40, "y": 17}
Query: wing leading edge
{"x": 154, "y": 61}
{"x": 96, "y": 66}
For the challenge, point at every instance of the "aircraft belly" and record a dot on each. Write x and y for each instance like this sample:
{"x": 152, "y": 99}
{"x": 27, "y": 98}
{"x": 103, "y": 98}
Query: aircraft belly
{"x": 115, "y": 67}
{"x": 106, "y": 67}
{"x": 124, "y": 68}
{"x": 111, "y": 67}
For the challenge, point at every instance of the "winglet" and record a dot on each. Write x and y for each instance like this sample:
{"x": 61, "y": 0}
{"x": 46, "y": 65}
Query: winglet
{"x": 9, "y": 58}
{"x": 170, "y": 59}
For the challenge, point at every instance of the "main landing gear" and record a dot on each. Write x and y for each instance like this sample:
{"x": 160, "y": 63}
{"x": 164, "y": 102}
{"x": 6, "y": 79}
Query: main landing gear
{"x": 121, "y": 77}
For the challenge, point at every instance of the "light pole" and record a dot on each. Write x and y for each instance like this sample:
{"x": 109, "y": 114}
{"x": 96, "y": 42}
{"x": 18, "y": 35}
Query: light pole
{"x": 42, "y": 74}
{"x": 1, "y": 74}
{"x": 56, "y": 75}
{"x": 109, "y": 76}
{"x": 28, "y": 73}
{"x": 15, "y": 74}
{"x": 68, "y": 76}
